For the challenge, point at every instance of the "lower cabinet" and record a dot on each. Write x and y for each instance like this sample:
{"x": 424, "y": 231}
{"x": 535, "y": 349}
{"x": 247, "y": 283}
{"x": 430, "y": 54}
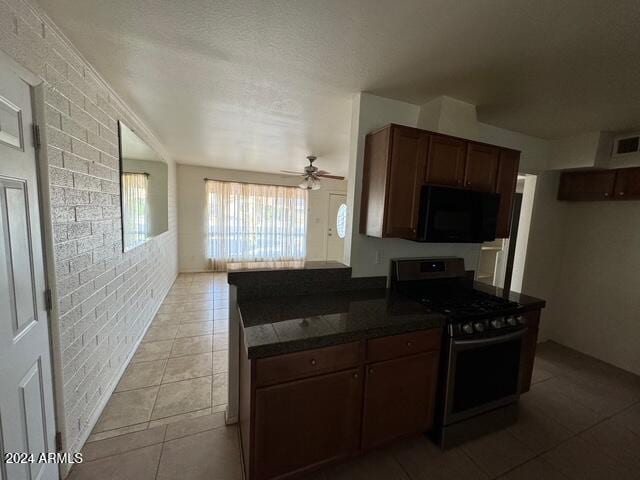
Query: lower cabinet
{"x": 399, "y": 398}
{"x": 301, "y": 410}
{"x": 305, "y": 423}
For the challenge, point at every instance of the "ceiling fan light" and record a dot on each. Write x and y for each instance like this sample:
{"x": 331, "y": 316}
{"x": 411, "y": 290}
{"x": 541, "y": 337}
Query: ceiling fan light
{"x": 310, "y": 183}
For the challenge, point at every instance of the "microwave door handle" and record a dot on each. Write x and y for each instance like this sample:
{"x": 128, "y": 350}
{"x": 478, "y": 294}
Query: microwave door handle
{"x": 489, "y": 341}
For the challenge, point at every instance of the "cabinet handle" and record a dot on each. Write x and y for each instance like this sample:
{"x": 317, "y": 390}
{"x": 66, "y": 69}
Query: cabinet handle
{"x": 355, "y": 375}
{"x": 469, "y": 184}
{"x": 621, "y": 194}
{"x": 313, "y": 361}
{"x": 371, "y": 370}
{"x": 606, "y": 194}
{"x": 408, "y": 344}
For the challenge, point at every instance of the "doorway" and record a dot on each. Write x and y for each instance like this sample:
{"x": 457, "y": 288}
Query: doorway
{"x": 27, "y": 422}
{"x": 336, "y": 227}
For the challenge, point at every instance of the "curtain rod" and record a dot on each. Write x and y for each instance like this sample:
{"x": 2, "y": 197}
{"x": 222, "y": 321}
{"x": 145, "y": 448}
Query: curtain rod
{"x": 138, "y": 173}
{"x": 247, "y": 183}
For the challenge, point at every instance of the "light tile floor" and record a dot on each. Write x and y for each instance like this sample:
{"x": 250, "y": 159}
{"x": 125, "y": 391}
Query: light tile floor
{"x": 581, "y": 420}
{"x": 180, "y": 369}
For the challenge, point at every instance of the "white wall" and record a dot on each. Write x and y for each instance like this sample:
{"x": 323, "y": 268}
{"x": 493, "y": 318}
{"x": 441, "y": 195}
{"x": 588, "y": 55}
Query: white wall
{"x": 192, "y": 250}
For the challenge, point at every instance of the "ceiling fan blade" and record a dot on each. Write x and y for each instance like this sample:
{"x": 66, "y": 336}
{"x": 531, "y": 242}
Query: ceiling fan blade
{"x": 335, "y": 177}
{"x": 291, "y": 173}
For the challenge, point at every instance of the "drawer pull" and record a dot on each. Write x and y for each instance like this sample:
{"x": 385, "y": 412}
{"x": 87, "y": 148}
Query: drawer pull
{"x": 371, "y": 370}
{"x": 355, "y": 375}
{"x": 408, "y": 344}
{"x": 313, "y": 361}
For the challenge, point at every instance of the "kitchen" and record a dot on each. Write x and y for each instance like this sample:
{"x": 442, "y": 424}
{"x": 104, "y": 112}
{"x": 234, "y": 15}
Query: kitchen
{"x": 337, "y": 240}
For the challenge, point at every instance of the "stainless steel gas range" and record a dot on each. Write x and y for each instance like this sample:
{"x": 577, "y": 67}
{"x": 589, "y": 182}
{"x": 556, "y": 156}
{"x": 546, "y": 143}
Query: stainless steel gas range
{"x": 480, "y": 366}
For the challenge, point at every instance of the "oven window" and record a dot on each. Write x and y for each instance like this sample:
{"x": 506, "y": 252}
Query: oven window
{"x": 485, "y": 374}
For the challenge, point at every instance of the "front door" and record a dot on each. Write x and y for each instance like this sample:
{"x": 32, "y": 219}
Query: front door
{"x": 336, "y": 227}
{"x": 26, "y": 393}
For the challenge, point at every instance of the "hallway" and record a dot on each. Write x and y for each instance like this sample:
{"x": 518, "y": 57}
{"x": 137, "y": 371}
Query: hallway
{"x": 179, "y": 371}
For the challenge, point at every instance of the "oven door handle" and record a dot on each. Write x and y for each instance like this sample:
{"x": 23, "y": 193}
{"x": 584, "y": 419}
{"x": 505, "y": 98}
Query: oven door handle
{"x": 490, "y": 340}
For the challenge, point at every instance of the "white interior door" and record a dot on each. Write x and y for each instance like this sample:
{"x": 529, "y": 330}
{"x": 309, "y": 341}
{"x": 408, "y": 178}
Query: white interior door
{"x": 336, "y": 227}
{"x": 26, "y": 392}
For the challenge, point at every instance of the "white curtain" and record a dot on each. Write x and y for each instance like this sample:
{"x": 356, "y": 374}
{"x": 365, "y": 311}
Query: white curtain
{"x": 135, "y": 208}
{"x": 255, "y": 223}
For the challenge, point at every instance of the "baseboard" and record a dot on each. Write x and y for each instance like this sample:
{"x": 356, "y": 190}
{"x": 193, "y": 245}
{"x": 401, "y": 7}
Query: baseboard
{"x": 112, "y": 386}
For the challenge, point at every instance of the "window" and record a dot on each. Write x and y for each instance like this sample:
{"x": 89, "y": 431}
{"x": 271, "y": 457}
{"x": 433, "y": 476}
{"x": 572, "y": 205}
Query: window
{"x": 255, "y": 223}
{"x": 341, "y": 220}
{"x": 135, "y": 209}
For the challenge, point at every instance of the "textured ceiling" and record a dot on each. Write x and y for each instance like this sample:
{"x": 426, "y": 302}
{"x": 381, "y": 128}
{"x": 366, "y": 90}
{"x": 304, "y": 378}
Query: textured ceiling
{"x": 258, "y": 85}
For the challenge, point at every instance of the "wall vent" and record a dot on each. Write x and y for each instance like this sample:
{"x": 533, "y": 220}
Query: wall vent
{"x": 626, "y": 145}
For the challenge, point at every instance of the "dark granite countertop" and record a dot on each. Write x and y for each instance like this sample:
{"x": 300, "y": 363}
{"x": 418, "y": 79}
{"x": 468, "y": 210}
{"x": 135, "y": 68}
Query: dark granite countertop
{"x": 272, "y": 326}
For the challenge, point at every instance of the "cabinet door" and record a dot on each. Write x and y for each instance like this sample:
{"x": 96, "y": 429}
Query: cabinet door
{"x": 481, "y": 167}
{"x": 406, "y": 171}
{"x": 506, "y": 187}
{"x": 445, "y": 162}
{"x": 627, "y": 185}
{"x": 399, "y": 398}
{"x": 305, "y": 423}
{"x": 529, "y": 344}
{"x": 596, "y": 185}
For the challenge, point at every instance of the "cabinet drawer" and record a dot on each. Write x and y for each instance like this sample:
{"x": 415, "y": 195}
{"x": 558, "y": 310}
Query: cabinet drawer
{"x": 385, "y": 348}
{"x": 290, "y": 366}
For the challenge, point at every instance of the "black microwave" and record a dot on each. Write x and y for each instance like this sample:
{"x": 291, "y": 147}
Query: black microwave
{"x": 451, "y": 215}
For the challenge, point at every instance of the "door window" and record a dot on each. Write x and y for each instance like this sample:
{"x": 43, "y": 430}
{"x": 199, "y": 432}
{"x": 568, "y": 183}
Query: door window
{"x": 341, "y": 221}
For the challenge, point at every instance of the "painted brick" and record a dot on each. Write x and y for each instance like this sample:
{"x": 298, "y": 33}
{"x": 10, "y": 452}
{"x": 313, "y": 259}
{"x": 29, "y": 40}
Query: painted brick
{"x": 103, "y": 226}
{"x": 60, "y": 233}
{"x": 86, "y": 182}
{"x": 111, "y": 211}
{"x": 60, "y": 177}
{"x": 98, "y": 198}
{"x": 88, "y": 244}
{"x": 91, "y": 273}
{"x": 109, "y": 161}
{"x": 93, "y": 110}
{"x": 56, "y": 196}
{"x": 84, "y": 150}
{"x": 103, "y": 145}
{"x": 54, "y": 156}
{"x": 63, "y": 214}
{"x": 76, "y": 197}
{"x": 84, "y": 119}
{"x": 80, "y": 262}
{"x": 56, "y": 99}
{"x": 89, "y": 212}
{"x": 65, "y": 250}
{"x": 67, "y": 285}
{"x": 110, "y": 187}
{"x": 58, "y": 139}
{"x": 103, "y": 253}
{"x": 74, "y": 163}
{"x": 72, "y": 128}
{"x": 78, "y": 229}
{"x": 62, "y": 85}
{"x": 52, "y": 117}
{"x": 101, "y": 171}
{"x": 91, "y": 302}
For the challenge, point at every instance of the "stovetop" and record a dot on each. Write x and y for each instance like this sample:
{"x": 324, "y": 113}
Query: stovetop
{"x": 461, "y": 304}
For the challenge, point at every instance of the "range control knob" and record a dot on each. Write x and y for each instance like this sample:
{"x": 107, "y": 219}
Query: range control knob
{"x": 511, "y": 321}
{"x": 497, "y": 323}
{"x": 478, "y": 326}
{"x": 521, "y": 320}
{"x": 467, "y": 328}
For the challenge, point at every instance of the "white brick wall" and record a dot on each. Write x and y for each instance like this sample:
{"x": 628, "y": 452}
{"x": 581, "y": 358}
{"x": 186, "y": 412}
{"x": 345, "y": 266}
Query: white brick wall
{"x": 104, "y": 298}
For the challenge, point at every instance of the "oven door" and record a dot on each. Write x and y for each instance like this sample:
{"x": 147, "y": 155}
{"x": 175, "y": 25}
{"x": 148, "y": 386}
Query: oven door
{"x": 483, "y": 374}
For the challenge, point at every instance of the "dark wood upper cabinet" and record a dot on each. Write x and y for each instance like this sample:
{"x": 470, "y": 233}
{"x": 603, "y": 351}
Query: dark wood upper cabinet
{"x": 395, "y": 159}
{"x": 399, "y": 161}
{"x": 506, "y": 186}
{"x": 627, "y": 184}
{"x": 446, "y": 161}
{"x": 587, "y": 185}
{"x": 305, "y": 423}
{"x": 481, "y": 167}
{"x": 409, "y": 385}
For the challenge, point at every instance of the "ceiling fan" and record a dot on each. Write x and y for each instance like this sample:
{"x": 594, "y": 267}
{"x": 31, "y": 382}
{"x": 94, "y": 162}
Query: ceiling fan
{"x": 311, "y": 175}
